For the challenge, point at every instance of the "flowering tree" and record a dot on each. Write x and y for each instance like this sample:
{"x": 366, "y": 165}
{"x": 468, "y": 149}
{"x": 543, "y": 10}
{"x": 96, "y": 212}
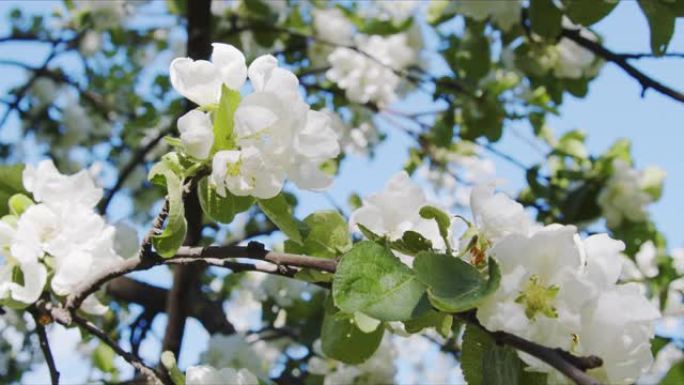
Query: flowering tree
{"x": 208, "y": 118}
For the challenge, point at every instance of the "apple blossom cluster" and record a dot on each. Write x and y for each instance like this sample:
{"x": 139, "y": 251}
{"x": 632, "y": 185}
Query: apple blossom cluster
{"x": 364, "y": 66}
{"x": 276, "y": 135}
{"x": 56, "y": 237}
{"x": 628, "y": 191}
{"x": 557, "y": 289}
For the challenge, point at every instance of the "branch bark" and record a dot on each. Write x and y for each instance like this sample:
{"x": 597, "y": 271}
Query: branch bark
{"x": 64, "y": 317}
{"x": 644, "y": 80}
{"x": 45, "y": 347}
{"x": 186, "y": 277}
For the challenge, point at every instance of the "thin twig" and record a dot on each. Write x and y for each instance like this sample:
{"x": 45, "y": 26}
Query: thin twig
{"x": 644, "y": 80}
{"x": 45, "y": 347}
{"x": 152, "y": 375}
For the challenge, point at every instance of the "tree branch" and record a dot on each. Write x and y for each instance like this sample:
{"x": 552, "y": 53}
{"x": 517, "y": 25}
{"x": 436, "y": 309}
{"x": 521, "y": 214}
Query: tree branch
{"x": 45, "y": 347}
{"x": 573, "y": 367}
{"x": 186, "y": 278}
{"x": 644, "y": 80}
{"x": 63, "y": 317}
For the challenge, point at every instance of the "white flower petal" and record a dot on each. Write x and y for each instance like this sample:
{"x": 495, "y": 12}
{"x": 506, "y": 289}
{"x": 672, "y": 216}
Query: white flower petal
{"x": 231, "y": 65}
{"x": 200, "y": 81}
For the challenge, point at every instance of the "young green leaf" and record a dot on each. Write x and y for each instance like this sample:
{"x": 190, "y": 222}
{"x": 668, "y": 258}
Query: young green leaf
{"x": 327, "y": 236}
{"x": 545, "y": 18}
{"x": 221, "y": 209}
{"x": 442, "y": 219}
{"x": 587, "y": 12}
{"x": 454, "y": 285}
{"x": 18, "y": 203}
{"x": 441, "y": 322}
{"x": 168, "y": 242}
{"x": 342, "y": 340}
{"x": 223, "y": 119}
{"x": 370, "y": 279}
{"x": 10, "y": 183}
{"x": 411, "y": 243}
{"x": 278, "y": 210}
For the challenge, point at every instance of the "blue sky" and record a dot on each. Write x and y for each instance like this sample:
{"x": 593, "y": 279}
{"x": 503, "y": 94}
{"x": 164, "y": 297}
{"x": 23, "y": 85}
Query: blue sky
{"x": 613, "y": 109}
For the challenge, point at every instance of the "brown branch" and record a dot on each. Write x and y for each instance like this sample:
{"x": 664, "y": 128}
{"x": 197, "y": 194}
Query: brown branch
{"x": 256, "y": 250}
{"x": 150, "y": 374}
{"x": 45, "y": 347}
{"x": 644, "y": 80}
{"x": 186, "y": 277}
{"x": 50, "y": 312}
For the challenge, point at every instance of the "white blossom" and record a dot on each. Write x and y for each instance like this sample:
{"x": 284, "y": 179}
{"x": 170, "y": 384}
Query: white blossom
{"x": 368, "y": 76}
{"x": 395, "y": 210}
{"x": 497, "y": 215}
{"x": 245, "y": 172}
{"x": 332, "y": 26}
{"x": 626, "y": 194}
{"x": 646, "y": 259}
{"x": 207, "y": 375}
{"x": 77, "y": 125}
{"x": 90, "y": 43}
{"x": 201, "y": 80}
{"x": 279, "y": 136}
{"x": 541, "y": 291}
{"x": 63, "y": 227}
{"x": 45, "y": 90}
{"x": 196, "y": 133}
{"x": 29, "y": 287}
{"x": 621, "y": 338}
{"x": 48, "y": 185}
{"x": 571, "y": 60}
{"x": 678, "y": 260}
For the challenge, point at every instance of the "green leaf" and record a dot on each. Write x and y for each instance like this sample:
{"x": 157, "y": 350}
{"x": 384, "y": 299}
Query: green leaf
{"x": 431, "y": 319}
{"x": 18, "y": 203}
{"x": 278, "y": 210}
{"x": 411, "y": 243}
{"x": 221, "y": 209}
{"x": 342, "y": 340}
{"x": 327, "y": 236}
{"x": 103, "y": 358}
{"x": 484, "y": 362}
{"x": 10, "y": 183}
{"x": 675, "y": 376}
{"x": 370, "y": 279}
{"x": 661, "y": 22}
{"x": 454, "y": 285}
{"x": 368, "y": 233}
{"x": 442, "y": 219}
{"x": 223, "y": 119}
{"x": 168, "y": 242}
{"x": 475, "y": 342}
{"x": 587, "y": 12}
{"x": 545, "y": 18}
{"x": 501, "y": 366}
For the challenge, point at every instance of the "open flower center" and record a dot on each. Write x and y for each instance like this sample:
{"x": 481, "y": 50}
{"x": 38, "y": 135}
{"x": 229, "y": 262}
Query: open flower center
{"x": 538, "y": 298}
